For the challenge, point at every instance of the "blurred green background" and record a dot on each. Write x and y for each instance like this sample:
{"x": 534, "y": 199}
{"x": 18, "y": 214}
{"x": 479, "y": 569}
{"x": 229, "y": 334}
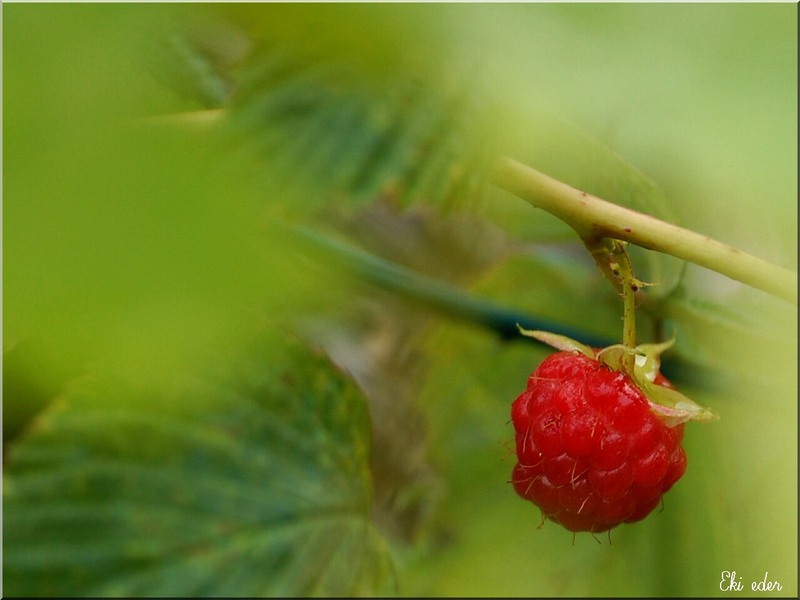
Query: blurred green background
{"x": 133, "y": 244}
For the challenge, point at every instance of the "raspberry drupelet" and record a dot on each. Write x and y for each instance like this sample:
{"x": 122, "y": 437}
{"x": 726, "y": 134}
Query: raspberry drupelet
{"x": 590, "y": 451}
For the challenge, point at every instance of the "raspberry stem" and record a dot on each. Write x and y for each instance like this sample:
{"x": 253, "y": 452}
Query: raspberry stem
{"x": 619, "y": 265}
{"x": 630, "y": 285}
{"x": 594, "y": 219}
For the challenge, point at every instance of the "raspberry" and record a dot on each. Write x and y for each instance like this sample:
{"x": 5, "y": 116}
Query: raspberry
{"x": 590, "y": 451}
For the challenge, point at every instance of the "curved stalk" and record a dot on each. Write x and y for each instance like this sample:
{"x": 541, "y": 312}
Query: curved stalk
{"x": 594, "y": 219}
{"x": 448, "y": 299}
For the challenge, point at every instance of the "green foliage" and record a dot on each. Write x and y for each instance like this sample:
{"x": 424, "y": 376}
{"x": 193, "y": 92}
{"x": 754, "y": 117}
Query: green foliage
{"x": 249, "y": 480}
{"x": 177, "y": 176}
{"x": 361, "y": 133}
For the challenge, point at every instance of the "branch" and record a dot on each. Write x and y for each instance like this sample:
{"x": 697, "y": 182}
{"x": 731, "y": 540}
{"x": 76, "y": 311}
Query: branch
{"x": 593, "y": 219}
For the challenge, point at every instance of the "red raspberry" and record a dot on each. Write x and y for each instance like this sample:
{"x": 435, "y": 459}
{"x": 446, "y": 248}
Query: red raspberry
{"x": 591, "y": 454}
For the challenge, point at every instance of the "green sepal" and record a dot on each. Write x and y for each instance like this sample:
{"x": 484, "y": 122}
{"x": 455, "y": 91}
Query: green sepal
{"x": 670, "y": 405}
{"x": 648, "y": 358}
{"x": 673, "y": 407}
{"x": 559, "y": 342}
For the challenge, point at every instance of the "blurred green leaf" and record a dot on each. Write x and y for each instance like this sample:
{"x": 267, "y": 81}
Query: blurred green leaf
{"x": 328, "y": 131}
{"x": 122, "y": 236}
{"x": 331, "y": 126}
{"x": 248, "y": 480}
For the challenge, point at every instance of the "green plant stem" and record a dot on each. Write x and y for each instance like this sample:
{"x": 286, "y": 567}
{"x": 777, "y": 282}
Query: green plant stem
{"x": 623, "y": 269}
{"x": 594, "y": 219}
{"x": 620, "y": 265}
{"x": 447, "y": 299}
